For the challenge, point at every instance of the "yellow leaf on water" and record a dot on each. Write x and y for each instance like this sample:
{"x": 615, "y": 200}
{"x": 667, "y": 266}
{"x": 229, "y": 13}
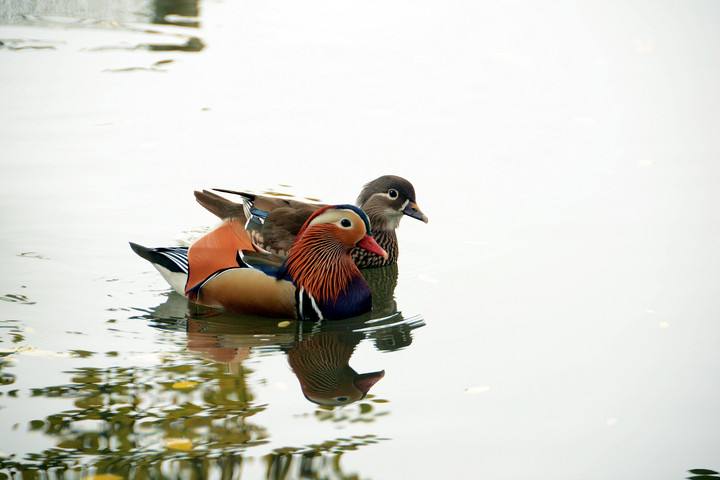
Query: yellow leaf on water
{"x": 182, "y": 444}
{"x": 284, "y": 323}
{"x": 184, "y": 385}
{"x": 103, "y": 476}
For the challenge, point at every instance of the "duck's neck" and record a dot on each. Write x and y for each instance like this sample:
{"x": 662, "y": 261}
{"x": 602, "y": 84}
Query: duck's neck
{"x": 381, "y": 218}
{"x": 322, "y": 266}
{"x": 384, "y": 234}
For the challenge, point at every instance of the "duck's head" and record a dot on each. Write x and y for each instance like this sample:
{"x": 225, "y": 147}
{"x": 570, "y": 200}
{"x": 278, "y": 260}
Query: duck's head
{"x": 321, "y": 364}
{"x": 386, "y": 199}
{"x": 319, "y": 260}
{"x": 337, "y": 228}
{"x": 344, "y": 387}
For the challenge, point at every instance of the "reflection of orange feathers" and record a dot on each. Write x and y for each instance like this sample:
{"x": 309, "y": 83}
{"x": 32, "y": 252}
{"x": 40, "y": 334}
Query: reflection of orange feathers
{"x": 209, "y": 345}
{"x": 216, "y": 250}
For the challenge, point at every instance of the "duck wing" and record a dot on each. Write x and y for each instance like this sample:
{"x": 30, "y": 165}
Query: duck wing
{"x": 272, "y": 201}
{"x": 220, "y": 206}
{"x": 281, "y": 226}
{"x": 273, "y": 222}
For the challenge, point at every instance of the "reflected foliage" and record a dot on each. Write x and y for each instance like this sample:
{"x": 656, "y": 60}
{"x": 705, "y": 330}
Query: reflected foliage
{"x": 176, "y": 12}
{"x": 193, "y": 414}
{"x": 192, "y": 44}
{"x": 120, "y": 14}
{"x": 11, "y": 333}
{"x": 183, "y": 13}
{"x": 130, "y": 418}
{"x": 315, "y": 461}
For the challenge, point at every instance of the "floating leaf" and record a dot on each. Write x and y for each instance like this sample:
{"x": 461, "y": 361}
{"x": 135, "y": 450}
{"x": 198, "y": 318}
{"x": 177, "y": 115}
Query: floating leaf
{"x": 182, "y": 444}
{"x": 184, "y": 385}
{"x": 284, "y": 323}
{"x": 103, "y": 476}
{"x": 703, "y": 471}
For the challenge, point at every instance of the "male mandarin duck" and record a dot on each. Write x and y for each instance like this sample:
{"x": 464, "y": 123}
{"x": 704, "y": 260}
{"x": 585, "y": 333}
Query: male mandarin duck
{"x": 321, "y": 364}
{"x": 274, "y": 222}
{"x": 318, "y": 280}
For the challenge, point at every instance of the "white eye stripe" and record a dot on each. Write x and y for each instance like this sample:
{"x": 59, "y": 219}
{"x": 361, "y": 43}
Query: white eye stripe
{"x": 334, "y": 216}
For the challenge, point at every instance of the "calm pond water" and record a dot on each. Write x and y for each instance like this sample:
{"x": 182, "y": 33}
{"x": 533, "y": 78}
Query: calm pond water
{"x": 557, "y": 318}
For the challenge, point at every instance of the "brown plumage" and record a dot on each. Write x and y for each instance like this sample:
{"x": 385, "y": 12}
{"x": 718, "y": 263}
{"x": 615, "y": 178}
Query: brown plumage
{"x": 385, "y": 200}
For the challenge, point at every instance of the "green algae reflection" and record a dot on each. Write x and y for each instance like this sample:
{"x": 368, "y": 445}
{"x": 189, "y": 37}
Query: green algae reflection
{"x": 193, "y": 414}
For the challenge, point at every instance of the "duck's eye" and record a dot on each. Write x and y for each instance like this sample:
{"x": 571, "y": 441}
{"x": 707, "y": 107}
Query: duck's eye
{"x": 392, "y": 193}
{"x": 345, "y": 223}
{"x": 341, "y": 399}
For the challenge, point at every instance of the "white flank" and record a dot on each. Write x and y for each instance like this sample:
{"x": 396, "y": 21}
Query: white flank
{"x": 177, "y": 280}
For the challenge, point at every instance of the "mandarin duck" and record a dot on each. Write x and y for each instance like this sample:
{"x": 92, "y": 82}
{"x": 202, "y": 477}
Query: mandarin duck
{"x": 274, "y": 221}
{"x": 318, "y": 279}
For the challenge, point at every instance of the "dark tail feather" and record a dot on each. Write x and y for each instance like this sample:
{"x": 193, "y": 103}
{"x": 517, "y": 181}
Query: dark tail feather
{"x": 144, "y": 252}
{"x": 220, "y": 206}
{"x": 173, "y": 259}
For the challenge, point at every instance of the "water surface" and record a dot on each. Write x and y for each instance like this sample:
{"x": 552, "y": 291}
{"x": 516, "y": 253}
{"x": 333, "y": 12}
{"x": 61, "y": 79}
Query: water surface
{"x": 556, "y": 318}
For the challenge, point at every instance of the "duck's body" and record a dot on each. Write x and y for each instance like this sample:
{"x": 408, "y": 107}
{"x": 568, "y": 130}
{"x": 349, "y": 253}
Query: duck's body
{"x": 274, "y": 222}
{"x": 317, "y": 281}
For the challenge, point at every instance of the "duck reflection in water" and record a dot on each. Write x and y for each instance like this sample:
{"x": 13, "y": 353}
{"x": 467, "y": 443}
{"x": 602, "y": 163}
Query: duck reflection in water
{"x": 321, "y": 364}
{"x": 317, "y": 353}
{"x": 319, "y": 357}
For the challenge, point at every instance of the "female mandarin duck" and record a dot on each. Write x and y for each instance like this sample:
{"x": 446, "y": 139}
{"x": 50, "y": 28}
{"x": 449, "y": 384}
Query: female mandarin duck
{"x": 318, "y": 280}
{"x": 274, "y": 222}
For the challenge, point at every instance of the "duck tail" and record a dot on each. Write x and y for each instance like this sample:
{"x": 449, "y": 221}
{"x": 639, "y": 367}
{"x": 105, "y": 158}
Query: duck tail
{"x": 172, "y": 263}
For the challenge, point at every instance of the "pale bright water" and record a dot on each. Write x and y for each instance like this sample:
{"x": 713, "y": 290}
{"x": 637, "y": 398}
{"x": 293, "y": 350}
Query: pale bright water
{"x": 559, "y": 317}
